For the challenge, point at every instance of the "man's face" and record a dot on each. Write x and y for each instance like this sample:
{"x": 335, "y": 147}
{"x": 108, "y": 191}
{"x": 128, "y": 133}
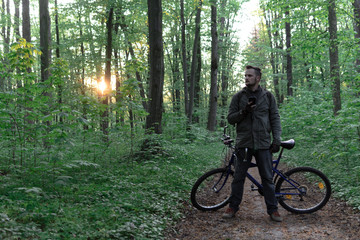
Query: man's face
{"x": 250, "y": 78}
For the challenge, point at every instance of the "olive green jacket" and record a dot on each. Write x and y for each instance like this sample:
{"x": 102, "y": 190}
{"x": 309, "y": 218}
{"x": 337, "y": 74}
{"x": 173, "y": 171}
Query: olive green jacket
{"x": 254, "y": 129}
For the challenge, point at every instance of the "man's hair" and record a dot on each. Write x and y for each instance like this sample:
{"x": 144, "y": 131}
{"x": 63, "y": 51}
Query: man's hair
{"x": 257, "y": 70}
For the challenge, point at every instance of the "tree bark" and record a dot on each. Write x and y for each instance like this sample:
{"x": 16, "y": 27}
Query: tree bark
{"x": 59, "y": 85}
{"x": 156, "y": 83}
{"x": 211, "y": 124}
{"x": 194, "y": 62}
{"x": 197, "y": 85}
{"x": 106, "y": 97}
{"x": 223, "y": 42}
{"x": 26, "y": 28}
{"x": 289, "y": 75}
{"x": 45, "y": 39}
{"x": 17, "y": 19}
{"x": 174, "y": 64}
{"x": 184, "y": 58}
{"x": 334, "y": 57}
{"x": 6, "y": 27}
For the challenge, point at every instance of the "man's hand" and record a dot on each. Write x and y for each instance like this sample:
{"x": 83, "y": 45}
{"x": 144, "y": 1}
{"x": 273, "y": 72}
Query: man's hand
{"x": 274, "y": 148}
{"x": 249, "y": 107}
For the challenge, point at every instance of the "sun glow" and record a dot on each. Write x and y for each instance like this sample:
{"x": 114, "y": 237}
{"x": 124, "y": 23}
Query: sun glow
{"x": 101, "y": 86}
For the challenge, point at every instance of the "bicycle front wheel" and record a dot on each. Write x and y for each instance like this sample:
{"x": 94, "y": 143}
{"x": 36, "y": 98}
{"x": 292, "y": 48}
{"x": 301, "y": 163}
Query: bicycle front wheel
{"x": 305, "y": 190}
{"x": 212, "y": 190}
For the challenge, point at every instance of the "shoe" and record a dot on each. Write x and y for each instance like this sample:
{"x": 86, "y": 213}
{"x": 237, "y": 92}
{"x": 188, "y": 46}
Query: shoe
{"x": 275, "y": 216}
{"x": 229, "y": 213}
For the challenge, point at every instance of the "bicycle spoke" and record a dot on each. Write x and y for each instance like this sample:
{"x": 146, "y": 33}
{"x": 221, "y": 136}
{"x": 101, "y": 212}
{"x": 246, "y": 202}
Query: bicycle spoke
{"x": 305, "y": 190}
{"x": 213, "y": 191}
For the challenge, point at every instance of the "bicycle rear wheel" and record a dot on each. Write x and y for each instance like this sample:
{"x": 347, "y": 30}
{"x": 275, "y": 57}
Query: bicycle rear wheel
{"x": 212, "y": 190}
{"x": 305, "y": 190}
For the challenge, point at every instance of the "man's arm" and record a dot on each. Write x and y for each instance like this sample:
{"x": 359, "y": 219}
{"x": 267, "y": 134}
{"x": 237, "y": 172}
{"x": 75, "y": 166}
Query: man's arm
{"x": 235, "y": 114}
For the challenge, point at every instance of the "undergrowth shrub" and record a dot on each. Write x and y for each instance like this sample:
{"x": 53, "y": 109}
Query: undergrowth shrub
{"x": 330, "y": 143}
{"x": 104, "y": 192}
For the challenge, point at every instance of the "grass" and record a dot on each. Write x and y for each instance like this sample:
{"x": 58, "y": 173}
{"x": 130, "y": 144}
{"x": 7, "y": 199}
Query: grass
{"x": 131, "y": 199}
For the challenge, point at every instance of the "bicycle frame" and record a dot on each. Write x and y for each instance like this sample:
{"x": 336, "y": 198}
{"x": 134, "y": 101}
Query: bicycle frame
{"x": 276, "y": 174}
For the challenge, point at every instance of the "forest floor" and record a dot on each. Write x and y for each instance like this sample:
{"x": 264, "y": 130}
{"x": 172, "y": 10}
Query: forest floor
{"x": 334, "y": 221}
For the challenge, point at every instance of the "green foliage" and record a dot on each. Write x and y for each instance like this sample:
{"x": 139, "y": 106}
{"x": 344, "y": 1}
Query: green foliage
{"x": 93, "y": 200}
{"x": 326, "y": 142}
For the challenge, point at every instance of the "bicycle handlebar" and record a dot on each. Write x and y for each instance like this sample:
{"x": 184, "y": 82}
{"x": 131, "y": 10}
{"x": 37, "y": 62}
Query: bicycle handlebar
{"x": 226, "y": 138}
{"x": 289, "y": 144}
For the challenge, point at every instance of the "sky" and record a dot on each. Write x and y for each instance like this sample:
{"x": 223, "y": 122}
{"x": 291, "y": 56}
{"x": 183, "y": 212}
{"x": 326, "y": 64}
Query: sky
{"x": 247, "y": 20}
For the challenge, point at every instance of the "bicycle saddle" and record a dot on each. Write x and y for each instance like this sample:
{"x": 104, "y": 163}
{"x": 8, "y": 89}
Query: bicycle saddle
{"x": 289, "y": 144}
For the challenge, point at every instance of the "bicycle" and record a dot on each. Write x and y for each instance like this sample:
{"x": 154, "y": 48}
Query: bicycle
{"x": 299, "y": 190}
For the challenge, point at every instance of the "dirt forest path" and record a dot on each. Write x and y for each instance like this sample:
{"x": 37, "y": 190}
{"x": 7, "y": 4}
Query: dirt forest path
{"x": 334, "y": 221}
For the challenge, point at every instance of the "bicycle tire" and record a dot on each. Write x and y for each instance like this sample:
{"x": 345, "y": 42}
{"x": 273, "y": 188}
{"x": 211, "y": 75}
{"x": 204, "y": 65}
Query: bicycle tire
{"x": 315, "y": 185}
{"x": 203, "y": 194}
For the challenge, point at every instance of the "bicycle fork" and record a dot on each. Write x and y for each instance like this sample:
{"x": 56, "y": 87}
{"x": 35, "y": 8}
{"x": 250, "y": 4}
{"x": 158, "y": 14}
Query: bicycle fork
{"x": 227, "y": 173}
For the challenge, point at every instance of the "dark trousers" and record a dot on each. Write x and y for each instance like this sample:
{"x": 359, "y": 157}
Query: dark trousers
{"x": 264, "y": 161}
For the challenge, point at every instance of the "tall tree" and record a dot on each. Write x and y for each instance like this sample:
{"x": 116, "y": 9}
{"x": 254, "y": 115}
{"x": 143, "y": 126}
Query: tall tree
{"x": 106, "y": 97}
{"x": 223, "y": 60}
{"x": 59, "y": 84}
{"x": 45, "y": 39}
{"x": 26, "y": 30}
{"x": 196, "y": 118}
{"x": 211, "y": 124}
{"x": 17, "y": 19}
{"x": 184, "y": 58}
{"x": 289, "y": 69}
{"x": 57, "y": 30}
{"x": 6, "y": 25}
{"x": 334, "y": 56}
{"x": 194, "y": 61}
{"x": 156, "y": 84}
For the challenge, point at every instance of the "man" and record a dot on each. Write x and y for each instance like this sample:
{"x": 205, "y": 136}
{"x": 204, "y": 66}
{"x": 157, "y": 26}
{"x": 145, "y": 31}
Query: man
{"x": 255, "y": 113}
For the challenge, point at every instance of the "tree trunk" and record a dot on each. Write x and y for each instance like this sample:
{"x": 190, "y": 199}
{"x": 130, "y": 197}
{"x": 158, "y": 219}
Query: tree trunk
{"x": 6, "y": 26}
{"x": 177, "y": 78}
{"x": 57, "y": 30}
{"x": 26, "y": 29}
{"x": 184, "y": 58}
{"x": 45, "y": 42}
{"x": 211, "y": 125}
{"x": 174, "y": 64}
{"x": 59, "y": 86}
{"x": 17, "y": 19}
{"x": 224, "y": 63}
{"x": 45, "y": 39}
{"x": 334, "y": 57}
{"x": 289, "y": 75}
{"x": 106, "y": 97}
{"x": 117, "y": 62}
{"x": 156, "y": 57}
{"x": 194, "y": 62}
{"x": 197, "y": 85}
